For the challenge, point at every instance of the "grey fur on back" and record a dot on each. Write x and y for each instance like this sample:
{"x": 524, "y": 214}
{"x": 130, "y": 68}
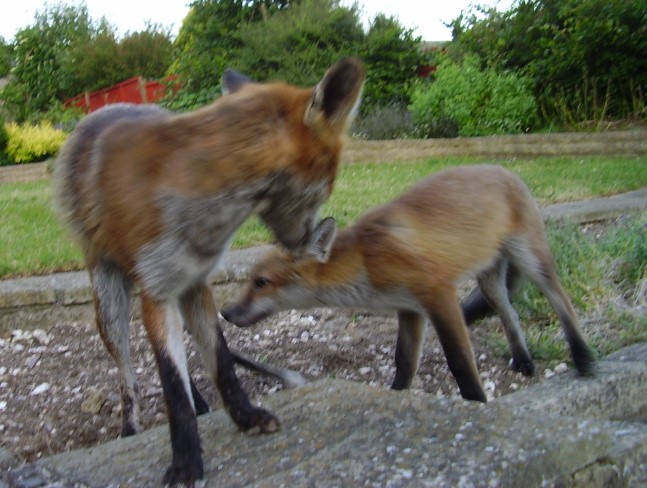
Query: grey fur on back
{"x": 72, "y": 165}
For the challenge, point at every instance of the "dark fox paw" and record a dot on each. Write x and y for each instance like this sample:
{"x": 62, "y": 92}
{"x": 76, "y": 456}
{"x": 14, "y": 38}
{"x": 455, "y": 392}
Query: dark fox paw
{"x": 258, "y": 420}
{"x": 525, "y": 366}
{"x": 184, "y": 475}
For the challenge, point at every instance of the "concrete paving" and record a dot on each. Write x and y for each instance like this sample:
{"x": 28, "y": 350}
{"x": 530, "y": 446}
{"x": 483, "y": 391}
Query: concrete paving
{"x": 566, "y": 432}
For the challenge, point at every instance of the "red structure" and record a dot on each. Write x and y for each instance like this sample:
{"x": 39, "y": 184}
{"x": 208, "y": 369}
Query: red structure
{"x": 134, "y": 90}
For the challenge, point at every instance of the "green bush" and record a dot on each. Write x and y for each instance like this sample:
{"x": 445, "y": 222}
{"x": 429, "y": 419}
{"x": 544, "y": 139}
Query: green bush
{"x": 586, "y": 57}
{"x": 4, "y": 138}
{"x": 388, "y": 122}
{"x": 391, "y": 54}
{"x": 29, "y": 143}
{"x": 60, "y": 116}
{"x": 299, "y": 43}
{"x": 481, "y": 102}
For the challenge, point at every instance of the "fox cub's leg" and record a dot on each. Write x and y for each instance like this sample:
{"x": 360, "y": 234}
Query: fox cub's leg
{"x": 445, "y": 313}
{"x": 201, "y": 317}
{"x": 541, "y": 271}
{"x": 112, "y": 304}
{"x": 493, "y": 286}
{"x": 408, "y": 349}
{"x": 476, "y": 307}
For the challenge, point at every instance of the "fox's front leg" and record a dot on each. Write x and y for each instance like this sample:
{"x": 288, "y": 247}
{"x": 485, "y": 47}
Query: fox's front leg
{"x": 201, "y": 317}
{"x": 164, "y": 328}
{"x": 408, "y": 349}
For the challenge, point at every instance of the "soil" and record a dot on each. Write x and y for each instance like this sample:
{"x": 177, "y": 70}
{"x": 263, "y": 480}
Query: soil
{"x": 59, "y": 387}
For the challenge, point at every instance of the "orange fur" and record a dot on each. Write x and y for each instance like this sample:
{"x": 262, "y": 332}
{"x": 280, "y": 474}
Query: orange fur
{"x": 410, "y": 254}
{"x": 154, "y": 197}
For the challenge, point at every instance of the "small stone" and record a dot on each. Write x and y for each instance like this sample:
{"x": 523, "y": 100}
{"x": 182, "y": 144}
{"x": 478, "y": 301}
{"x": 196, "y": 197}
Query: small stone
{"x": 32, "y": 361}
{"x": 407, "y": 474}
{"x": 548, "y": 373}
{"x": 41, "y": 337}
{"x": 561, "y": 368}
{"x": 365, "y": 370}
{"x": 94, "y": 400}
{"x": 42, "y": 388}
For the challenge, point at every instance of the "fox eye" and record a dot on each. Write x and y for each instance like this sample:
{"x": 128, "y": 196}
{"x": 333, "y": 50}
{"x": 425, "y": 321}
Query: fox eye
{"x": 261, "y": 282}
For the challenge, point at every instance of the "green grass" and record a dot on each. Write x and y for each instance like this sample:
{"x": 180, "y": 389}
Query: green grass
{"x": 32, "y": 241}
{"x": 605, "y": 274}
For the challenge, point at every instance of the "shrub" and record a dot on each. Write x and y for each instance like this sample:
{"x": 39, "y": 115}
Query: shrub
{"x": 60, "y": 116}
{"x": 480, "y": 102}
{"x": 29, "y": 143}
{"x": 387, "y": 122}
{"x": 3, "y": 143}
{"x": 439, "y": 127}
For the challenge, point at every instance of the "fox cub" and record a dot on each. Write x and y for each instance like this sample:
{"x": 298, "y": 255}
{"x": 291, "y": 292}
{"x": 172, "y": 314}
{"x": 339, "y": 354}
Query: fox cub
{"x": 410, "y": 254}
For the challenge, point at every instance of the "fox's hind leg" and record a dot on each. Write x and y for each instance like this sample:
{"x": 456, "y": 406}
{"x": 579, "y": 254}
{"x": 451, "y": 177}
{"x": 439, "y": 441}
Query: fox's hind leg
{"x": 538, "y": 263}
{"x": 476, "y": 307}
{"x": 112, "y": 304}
{"x": 492, "y": 283}
{"x": 408, "y": 349}
{"x": 201, "y": 318}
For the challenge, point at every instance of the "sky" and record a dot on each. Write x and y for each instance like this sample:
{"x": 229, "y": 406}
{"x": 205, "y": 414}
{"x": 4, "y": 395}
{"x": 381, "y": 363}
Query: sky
{"x": 426, "y": 17}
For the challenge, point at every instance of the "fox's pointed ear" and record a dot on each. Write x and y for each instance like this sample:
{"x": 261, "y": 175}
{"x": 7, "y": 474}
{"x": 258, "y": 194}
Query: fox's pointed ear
{"x": 232, "y": 81}
{"x": 336, "y": 97}
{"x": 322, "y": 239}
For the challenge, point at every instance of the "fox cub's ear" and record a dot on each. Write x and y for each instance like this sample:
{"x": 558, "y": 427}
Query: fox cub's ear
{"x": 321, "y": 240}
{"x": 336, "y": 97}
{"x": 232, "y": 81}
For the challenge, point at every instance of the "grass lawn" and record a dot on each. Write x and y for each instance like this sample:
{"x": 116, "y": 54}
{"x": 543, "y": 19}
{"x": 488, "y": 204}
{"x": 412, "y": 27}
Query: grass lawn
{"x": 33, "y": 242}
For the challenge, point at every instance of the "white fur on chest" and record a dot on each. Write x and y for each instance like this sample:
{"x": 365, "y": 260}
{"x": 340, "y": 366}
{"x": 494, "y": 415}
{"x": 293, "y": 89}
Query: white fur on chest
{"x": 197, "y": 233}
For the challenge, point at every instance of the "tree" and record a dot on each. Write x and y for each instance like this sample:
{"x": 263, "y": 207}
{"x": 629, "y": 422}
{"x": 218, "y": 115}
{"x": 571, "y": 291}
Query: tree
{"x": 92, "y": 65}
{"x": 148, "y": 53}
{"x": 586, "y": 57}
{"x": 65, "y": 53}
{"x": 300, "y": 42}
{"x": 106, "y": 60}
{"x": 40, "y": 53}
{"x": 391, "y": 54}
{"x": 205, "y": 45}
{"x": 6, "y": 57}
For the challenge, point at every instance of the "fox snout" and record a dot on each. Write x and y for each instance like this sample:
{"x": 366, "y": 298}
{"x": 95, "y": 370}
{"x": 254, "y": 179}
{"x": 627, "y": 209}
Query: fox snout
{"x": 240, "y": 316}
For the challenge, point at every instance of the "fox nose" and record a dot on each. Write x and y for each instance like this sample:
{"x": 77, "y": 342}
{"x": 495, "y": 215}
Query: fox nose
{"x": 226, "y": 314}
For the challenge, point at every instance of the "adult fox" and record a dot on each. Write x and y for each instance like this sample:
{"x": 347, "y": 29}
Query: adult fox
{"x": 410, "y": 254}
{"x": 154, "y": 198}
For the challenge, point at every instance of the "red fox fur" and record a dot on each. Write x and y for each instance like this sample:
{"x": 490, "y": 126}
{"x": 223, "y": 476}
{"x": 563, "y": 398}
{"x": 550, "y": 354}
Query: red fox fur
{"x": 410, "y": 254}
{"x": 154, "y": 197}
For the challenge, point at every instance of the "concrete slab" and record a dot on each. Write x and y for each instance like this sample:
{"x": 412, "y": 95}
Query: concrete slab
{"x": 340, "y": 433}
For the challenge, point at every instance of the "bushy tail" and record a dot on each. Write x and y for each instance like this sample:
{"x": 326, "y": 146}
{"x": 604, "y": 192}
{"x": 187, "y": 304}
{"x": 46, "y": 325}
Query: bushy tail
{"x": 66, "y": 182}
